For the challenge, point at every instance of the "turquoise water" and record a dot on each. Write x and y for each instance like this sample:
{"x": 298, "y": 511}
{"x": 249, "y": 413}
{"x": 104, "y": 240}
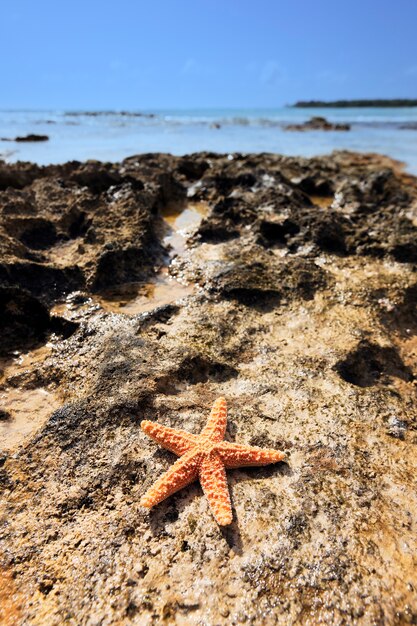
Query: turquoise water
{"x": 114, "y": 136}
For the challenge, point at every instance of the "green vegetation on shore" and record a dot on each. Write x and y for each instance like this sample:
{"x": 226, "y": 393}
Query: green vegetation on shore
{"x": 341, "y": 104}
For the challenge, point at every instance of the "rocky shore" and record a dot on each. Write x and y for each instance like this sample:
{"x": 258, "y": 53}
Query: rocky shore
{"x": 318, "y": 123}
{"x": 27, "y": 138}
{"x": 145, "y": 290}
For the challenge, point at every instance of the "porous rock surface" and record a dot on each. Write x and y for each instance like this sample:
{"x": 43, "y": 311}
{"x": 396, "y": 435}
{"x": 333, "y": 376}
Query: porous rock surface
{"x": 303, "y": 316}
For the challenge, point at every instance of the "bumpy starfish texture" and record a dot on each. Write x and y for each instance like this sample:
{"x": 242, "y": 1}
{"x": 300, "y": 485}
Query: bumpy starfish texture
{"x": 206, "y": 457}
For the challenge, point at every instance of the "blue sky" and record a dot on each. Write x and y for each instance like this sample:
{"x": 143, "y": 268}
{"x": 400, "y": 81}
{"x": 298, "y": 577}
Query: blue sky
{"x": 155, "y": 54}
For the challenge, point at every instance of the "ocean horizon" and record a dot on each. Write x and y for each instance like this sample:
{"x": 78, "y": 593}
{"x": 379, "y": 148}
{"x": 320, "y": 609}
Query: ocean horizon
{"x": 114, "y": 135}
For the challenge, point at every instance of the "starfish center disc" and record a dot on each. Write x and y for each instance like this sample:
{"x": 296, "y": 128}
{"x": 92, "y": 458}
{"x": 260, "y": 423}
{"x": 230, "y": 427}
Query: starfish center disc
{"x": 206, "y": 446}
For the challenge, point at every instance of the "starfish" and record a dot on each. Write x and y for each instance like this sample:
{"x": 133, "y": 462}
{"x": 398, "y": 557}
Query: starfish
{"x": 206, "y": 456}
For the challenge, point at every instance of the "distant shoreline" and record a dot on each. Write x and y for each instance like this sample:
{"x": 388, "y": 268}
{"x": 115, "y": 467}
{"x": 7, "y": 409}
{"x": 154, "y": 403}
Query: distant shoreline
{"x": 344, "y": 104}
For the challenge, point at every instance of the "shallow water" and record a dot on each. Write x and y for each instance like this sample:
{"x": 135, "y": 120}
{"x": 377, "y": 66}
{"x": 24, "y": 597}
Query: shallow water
{"x": 29, "y": 410}
{"x": 132, "y": 298}
{"x": 178, "y": 222}
{"x": 114, "y": 136}
{"x": 322, "y": 201}
{"x": 26, "y": 409}
{"x": 135, "y": 298}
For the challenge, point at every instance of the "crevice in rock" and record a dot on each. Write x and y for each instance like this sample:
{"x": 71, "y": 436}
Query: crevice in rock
{"x": 25, "y": 321}
{"x": 198, "y": 369}
{"x": 44, "y": 281}
{"x": 210, "y": 232}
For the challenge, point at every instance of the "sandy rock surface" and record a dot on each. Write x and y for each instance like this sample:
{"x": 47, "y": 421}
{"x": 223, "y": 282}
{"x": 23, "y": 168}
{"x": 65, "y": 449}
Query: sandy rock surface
{"x": 145, "y": 290}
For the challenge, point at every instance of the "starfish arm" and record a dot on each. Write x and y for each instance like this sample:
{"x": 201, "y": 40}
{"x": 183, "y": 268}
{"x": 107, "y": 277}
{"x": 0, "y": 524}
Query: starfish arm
{"x": 236, "y": 455}
{"x": 214, "y": 483}
{"x": 182, "y": 473}
{"x": 216, "y": 423}
{"x": 177, "y": 441}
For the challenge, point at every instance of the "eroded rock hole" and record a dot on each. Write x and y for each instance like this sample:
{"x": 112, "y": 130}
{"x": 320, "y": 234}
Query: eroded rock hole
{"x": 370, "y": 364}
{"x": 330, "y": 235}
{"x": 35, "y": 233}
{"x": 199, "y": 370}
{"x": 273, "y": 232}
{"x": 25, "y": 321}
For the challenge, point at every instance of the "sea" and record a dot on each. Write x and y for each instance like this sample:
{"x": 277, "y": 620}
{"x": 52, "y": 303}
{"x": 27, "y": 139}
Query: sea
{"x": 114, "y": 135}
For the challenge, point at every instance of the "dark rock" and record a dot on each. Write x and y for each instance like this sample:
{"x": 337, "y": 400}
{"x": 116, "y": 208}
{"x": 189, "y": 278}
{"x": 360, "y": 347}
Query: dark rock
{"x": 277, "y": 232}
{"x": 34, "y": 232}
{"x": 98, "y": 177}
{"x": 329, "y": 231}
{"x": 25, "y": 321}
{"x": 32, "y": 137}
{"x": 41, "y": 280}
{"x": 192, "y": 167}
{"x": 255, "y": 279}
{"x": 18, "y": 175}
{"x": 116, "y": 266}
{"x": 197, "y": 369}
{"x": 315, "y": 187}
{"x": 318, "y": 123}
{"x": 409, "y": 126}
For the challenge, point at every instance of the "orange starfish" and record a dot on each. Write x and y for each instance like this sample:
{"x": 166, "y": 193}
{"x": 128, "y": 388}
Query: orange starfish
{"x": 204, "y": 456}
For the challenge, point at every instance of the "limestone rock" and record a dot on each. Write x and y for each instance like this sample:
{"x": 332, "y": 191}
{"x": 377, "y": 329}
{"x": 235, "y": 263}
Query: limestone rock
{"x": 301, "y": 309}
